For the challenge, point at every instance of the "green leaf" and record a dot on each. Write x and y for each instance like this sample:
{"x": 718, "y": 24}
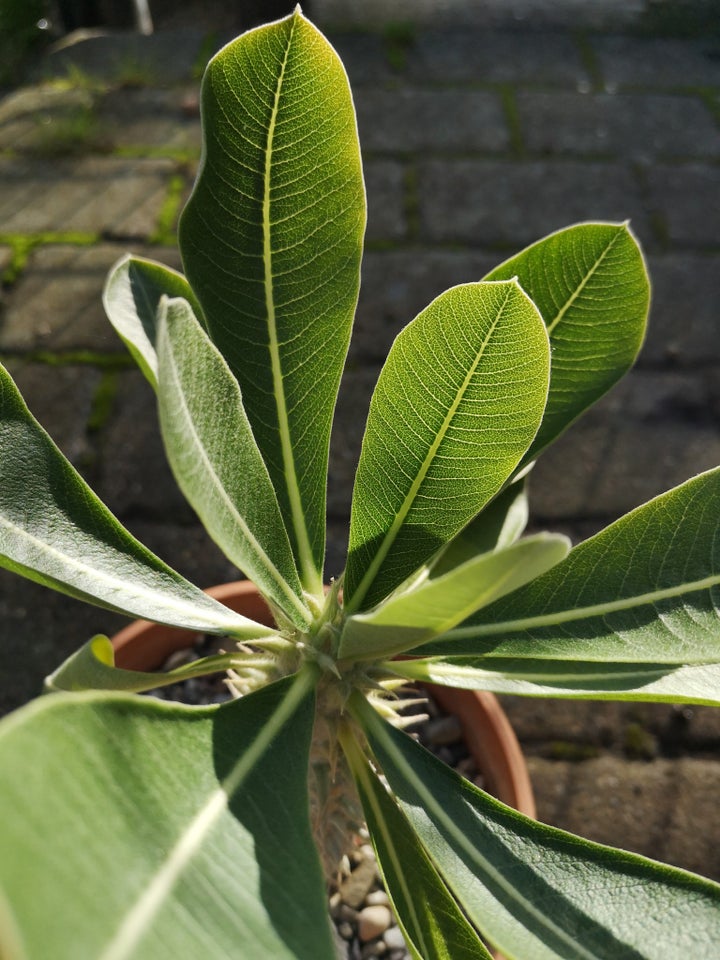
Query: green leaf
{"x": 435, "y": 606}
{"x": 92, "y": 667}
{"x": 433, "y": 925}
{"x": 227, "y": 483}
{"x": 535, "y": 891}
{"x": 576, "y": 679}
{"x": 131, "y": 298}
{"x": 458, "y": 402}
{"x": 271, "y": 240}
{"x": 54, "y": 530}
{"x": 498, "y": 525}
{"x": 590, "y": 284}
{"x": 644, "y": 590}
{"x": 134, "y": 829}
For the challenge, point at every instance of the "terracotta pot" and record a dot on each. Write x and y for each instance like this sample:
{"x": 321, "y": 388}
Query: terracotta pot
{"x": 143, "y": 645}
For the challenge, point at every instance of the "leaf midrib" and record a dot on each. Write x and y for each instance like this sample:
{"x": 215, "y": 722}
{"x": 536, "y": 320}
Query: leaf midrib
{"x": 308, "y": 572}
{"x": 582, "y": 613}
{"x": 390, "y": 536}
{"x": 139, "y": 917}
{"x": 583, "y": 283}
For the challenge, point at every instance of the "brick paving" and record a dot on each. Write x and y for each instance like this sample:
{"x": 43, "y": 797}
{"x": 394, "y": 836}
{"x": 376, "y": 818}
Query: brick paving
{"x": 476, "y": 142}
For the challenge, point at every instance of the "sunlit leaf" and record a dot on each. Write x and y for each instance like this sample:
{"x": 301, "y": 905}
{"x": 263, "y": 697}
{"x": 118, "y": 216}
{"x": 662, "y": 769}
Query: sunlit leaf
{"x": 271, "y": 241}
{"x": 457, "y": 404}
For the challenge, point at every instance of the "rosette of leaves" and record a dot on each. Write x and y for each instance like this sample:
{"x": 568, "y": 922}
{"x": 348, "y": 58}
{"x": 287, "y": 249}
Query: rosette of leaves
{"x": 135, "y": 828}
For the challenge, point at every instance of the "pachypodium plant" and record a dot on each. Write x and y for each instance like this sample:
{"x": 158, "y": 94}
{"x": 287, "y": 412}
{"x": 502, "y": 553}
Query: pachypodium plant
{"x": 136, "y": 828}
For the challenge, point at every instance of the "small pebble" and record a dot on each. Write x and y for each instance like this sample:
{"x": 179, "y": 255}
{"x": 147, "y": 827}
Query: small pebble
{"x": 377, "y": 897}
{"x": 346, "y": 912}
{"x": 345, "y": 930}
{"x": 394, "y": 939}
{"x": 444, "y": 730}
{"x": 375, "y": 949}
{"x": 373, "y": 921}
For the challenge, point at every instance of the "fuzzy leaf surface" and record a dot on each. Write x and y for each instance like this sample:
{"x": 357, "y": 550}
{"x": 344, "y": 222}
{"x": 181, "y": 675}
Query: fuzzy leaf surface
{"x": 535, "y": 891}
{"x": 271, "y": 240}
{"x": 216, "y": 462}
{"x": 458, "y": 402}
{"x": 644, "y": 590}
{"x": 431, "y": 921}
{"x": 54, "y": 530}
{"x": 134, "y": 829}
{"x": 436, "y": 606}
{"x": 132, "y": 294}
{"x": 590, "y": 284}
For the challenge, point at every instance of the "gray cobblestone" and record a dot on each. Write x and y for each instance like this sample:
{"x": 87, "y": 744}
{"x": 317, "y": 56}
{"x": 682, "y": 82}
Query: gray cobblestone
{"x": 688, "y": 199}
{"x": 431, "y": 120}
{"x": 135, "y": 479}
{"x": 455, "y": 56}
{"x": 665, "y": 810}
{"x": 106, "y": 195}
{"x": 364, "y": 58}
{"x": 650, "y": 433}
{"x": 385, "y": 185}
{"x": 61, "y": 399}
{"x": 398, "y": 284}
{"x": 165, "y": 119}
{"x": 71, "y": 278}
{"x": 512, "y": 204}
{"x": 657, "y": 63}
{"x": 622, "y": 125}
{"x": 683, "y": 327}
{"x": 27, "y": 115}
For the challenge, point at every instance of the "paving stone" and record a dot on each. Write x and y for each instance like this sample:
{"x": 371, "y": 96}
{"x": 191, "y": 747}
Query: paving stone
{"x": 109, "y": 195}
{"x": 6, "y": 255}
{"x": 336, "y": 553}
{"x": 188, "y": 549}
{"x": 385, "y": 186}
{"x": 475, "y": 56}
{"x": 703, "y": 727}
{"x": 533, "y": 14}
{"x": 650, "y": 433}
{"x": 665, "y": 810}
{"x": 61, "y": 399}
{"x": 350, "y": 417}
{"x": 364, "y": 58}
{"x": 27, "y": 115}
{"x": 57, "y": 303}
{"x": 164, "y": 119}
{"x": 512, "y": 203}
{"x": 135, "y": 479}
{"x": 688, "y": 199}
{"x": 40, "y": 628}
{"x": 408, "y": 119}
{"x": 567, "y": 729}
{"x": 398, "y": 284}
{"x": 624, "y": 125}
{"x": 684, "y": 324}
{"x": 164, "y": 57}
{"x": 658, "y": 63}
